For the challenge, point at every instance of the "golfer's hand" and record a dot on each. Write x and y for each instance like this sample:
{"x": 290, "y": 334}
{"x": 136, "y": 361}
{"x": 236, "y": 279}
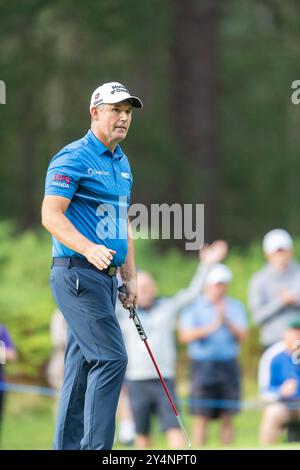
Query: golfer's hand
{"x": 128, "y": 297}
{"x": 214, "y": 253}
{"x": 99, "y": 255}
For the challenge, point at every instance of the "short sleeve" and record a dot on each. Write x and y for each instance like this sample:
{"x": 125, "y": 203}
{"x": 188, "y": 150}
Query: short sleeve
{"x": 239, "y": 316}
{"x": 186, "y": 321}
{"x": 63, "y": 175}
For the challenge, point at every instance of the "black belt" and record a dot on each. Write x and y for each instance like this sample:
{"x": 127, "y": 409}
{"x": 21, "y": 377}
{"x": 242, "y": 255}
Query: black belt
{"x": 82, "y": 263}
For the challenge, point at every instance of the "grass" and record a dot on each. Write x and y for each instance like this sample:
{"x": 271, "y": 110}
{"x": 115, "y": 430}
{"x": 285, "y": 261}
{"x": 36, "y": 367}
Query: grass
{"x": 29, "y": 424}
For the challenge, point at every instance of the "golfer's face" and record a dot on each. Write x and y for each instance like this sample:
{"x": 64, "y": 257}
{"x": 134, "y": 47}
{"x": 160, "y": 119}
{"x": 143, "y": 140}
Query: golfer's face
{"x": 114, "y": 121}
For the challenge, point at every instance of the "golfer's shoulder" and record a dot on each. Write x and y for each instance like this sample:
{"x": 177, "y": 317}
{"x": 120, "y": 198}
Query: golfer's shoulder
{"x": 75, "y": 148}
{"x": 72, "y": 152}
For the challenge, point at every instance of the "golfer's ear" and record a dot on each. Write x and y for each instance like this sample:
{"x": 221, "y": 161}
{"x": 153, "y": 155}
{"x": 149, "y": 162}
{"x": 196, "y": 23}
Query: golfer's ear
{"x": 94, "y": 114}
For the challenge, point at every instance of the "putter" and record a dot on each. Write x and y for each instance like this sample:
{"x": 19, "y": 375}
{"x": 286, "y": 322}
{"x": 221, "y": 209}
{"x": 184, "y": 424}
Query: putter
{"x": 134, "y": 316}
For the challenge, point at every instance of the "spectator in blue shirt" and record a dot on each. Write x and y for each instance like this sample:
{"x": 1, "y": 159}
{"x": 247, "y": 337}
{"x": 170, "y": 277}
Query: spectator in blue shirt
{"x": 213, "y": 328}
{"x": 280, "y": 384}
{"x": 7, "y": 354}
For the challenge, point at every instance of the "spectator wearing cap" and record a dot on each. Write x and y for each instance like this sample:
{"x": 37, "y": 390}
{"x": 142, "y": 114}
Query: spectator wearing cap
{"x": 279, "y": 382}
{"x": 158, "y": 316}
{"x": 213, "y": 328}
{"x": 274, "y": 292}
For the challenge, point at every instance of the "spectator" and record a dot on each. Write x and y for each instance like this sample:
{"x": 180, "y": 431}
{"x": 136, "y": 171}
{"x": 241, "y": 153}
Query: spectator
{"x": 158, "y": 316}
{"x": 7, "y": 354}
{"x": 58, "y": 331}
{"x": 126, "y": 428}
{"x": 279, "y": 381}
{"x": 274, "y": 292}
{"x": 213, "y": 327}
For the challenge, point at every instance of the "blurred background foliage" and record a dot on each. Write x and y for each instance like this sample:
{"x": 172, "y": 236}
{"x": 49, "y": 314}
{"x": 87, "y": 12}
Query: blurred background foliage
{"x": 218, "y": 127}
{"x": 26, "y": 304}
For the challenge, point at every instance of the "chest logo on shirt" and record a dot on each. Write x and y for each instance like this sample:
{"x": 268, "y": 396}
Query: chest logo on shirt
{"x": 92, "y": 172}
{"x": 125, "y": 175}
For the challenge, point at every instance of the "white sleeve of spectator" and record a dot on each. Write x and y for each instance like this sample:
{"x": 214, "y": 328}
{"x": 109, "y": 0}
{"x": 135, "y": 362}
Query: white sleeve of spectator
{"x": 260, "y": 308}
{"x": 240, "y": 319}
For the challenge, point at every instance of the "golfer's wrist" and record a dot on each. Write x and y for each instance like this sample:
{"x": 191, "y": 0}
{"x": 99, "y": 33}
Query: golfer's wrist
{"x": 86, "y": 247}
{"x": 131, "y": 285}
{"x": 128, "y": 274}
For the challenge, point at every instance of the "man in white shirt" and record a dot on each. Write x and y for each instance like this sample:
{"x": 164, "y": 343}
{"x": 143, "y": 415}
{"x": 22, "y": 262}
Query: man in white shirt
{"x": 158, "y": 317}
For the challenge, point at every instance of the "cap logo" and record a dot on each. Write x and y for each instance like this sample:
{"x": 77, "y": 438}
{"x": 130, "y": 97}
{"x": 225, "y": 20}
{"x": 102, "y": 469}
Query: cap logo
{"x": 119, "y": 88}
{"x": 97, "y": 102}
{"x": 97, "y": 95}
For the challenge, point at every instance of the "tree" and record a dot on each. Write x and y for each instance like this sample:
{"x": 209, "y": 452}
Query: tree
{"x": 194, "y": 71}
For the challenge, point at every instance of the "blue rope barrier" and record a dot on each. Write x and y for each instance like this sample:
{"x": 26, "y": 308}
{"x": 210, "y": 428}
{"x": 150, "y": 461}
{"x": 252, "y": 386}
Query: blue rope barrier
{"x": 28, "y": 389}
{"x": 203, "y": 403}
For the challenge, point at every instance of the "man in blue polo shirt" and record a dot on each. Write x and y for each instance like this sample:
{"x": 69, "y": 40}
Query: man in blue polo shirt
{"x": 213, "y": 328}
{"x": 87, "y": 195}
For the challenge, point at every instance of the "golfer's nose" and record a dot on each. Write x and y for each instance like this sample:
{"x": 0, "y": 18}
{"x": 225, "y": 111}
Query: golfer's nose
{"x": 124, "y": 116}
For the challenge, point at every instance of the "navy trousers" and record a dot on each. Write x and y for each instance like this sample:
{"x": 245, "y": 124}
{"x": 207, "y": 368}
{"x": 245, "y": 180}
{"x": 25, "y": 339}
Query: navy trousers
{"x": 95, "y": 358}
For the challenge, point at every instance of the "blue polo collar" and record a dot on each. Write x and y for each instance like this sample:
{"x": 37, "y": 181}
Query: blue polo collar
{"x": 102, "y": 149}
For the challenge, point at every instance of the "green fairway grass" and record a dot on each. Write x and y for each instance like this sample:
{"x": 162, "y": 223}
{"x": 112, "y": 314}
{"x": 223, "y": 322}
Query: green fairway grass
{"x": 29, "y": 424}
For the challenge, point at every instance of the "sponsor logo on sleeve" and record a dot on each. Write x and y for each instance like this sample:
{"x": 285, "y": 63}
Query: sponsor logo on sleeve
{"x": 62, "y": 181}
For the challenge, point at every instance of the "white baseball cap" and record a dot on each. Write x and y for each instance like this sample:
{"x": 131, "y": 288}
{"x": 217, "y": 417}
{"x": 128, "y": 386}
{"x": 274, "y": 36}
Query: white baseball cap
{"x": 277, "y": 239}
{"x": 113, "y": 92}
{"x": 219, "y": 273}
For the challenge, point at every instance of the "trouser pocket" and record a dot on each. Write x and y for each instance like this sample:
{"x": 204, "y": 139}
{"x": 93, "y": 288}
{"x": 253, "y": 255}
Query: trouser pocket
{"x": 72, "y": 281}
